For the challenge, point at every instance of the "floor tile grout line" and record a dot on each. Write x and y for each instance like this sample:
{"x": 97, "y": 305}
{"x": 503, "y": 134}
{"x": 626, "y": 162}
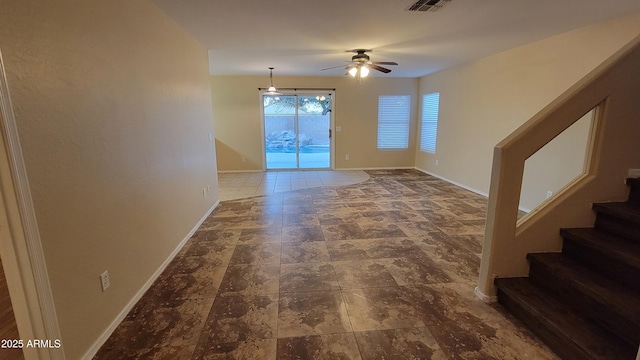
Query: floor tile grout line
{"x": 346, "y": 309}
{"x": 343, "y": 290}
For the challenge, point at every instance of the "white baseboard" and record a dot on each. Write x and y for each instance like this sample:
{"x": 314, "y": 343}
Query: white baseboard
{"x": 335, "y": 169}
{"x": 454, "y": 183}
{"x": 466, "y": 187}
{"x": 524, "y": 209}
{"x": 485, "y": 298}
{"x": 238, "y": 171}
{"x": 114, "y": 324}
{"x": 378, "y": 168}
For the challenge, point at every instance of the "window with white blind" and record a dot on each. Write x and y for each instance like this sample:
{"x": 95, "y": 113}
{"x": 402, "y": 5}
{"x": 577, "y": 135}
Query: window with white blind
{"x": 393, "y": 122}
{"x": 429, "y": 131}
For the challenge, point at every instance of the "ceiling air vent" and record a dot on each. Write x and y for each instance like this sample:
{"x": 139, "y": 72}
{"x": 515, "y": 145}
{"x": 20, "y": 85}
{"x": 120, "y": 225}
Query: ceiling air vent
{"x": 428, "y": 5}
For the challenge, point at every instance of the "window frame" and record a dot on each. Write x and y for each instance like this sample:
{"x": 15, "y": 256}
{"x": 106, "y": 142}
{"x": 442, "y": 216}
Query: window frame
{"x": 404, "y": 119}
{"x": 429, "y": 121}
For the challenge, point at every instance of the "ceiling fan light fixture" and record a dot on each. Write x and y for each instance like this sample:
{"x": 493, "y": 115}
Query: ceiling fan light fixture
{"x": 361, "y": 66}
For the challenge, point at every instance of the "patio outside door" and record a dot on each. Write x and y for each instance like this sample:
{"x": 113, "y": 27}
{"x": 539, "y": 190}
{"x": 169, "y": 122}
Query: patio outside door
{"x": 297, "y": 131}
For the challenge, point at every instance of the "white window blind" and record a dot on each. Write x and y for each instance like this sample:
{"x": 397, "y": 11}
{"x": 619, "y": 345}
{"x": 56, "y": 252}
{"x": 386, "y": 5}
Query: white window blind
{"x": 429, "y": 131}
{"x": 393, "y": 122}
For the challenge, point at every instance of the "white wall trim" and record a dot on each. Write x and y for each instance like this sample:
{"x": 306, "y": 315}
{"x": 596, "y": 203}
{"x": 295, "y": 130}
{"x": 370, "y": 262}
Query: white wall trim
{"x": 35, "y": 259}
{"x": 239, "y": 171}
{"x": 378, "y": 168}
{"x": 336, "y": 169}
{"x": 524, "y": 209}
{"x": 453, "y": 182}
{"x": 485, "y": 298}
{"x": 114, "y": 324}
{"x": 521, "y": 208}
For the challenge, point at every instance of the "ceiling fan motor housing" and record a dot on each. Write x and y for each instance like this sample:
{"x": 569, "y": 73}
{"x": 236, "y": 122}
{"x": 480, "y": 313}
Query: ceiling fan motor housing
{"x": 360, "y": 58}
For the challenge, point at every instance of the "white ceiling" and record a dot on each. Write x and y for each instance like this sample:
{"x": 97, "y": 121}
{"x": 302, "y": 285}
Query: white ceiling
{"x": 300, "y": 37}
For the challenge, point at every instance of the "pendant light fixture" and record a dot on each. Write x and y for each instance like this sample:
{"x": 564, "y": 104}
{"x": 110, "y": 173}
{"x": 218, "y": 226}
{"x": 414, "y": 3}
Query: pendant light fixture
{"x": 272, "y": 90}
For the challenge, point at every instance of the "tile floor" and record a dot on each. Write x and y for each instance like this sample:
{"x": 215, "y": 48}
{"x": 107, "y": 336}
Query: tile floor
{"x": 381, "y": 269}
{"x": 246, "y": 184}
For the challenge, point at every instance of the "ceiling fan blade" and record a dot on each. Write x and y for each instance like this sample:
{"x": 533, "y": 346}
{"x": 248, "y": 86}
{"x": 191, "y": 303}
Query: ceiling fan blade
{"x": 333, "y": 67}
{"x": 359, "y": 51}
{"x": 379, "y": 68}
{"x": 384, "y": 63}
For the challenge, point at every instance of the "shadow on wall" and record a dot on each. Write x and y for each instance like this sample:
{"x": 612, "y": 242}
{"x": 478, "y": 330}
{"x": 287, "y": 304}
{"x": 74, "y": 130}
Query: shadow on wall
{"x": 231, "y": 160}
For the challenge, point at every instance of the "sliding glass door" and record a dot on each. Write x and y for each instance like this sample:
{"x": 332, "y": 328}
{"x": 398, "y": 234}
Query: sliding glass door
{"x": 297, "y": 131}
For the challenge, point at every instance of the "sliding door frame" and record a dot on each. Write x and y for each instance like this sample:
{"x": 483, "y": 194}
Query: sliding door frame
{"x": 300, "y": 92}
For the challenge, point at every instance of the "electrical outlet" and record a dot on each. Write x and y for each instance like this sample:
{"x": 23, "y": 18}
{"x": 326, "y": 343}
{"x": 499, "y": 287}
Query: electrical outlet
{"x": 346, "y": 157}
{"x": 104, "y": 281}
{"x": 244, "y": 159}
{"x": 436, "y": 162}
{"x": 204, "y": 192}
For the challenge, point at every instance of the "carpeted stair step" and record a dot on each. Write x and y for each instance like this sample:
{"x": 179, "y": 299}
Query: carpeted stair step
{"x": 565, "y": 331}
{"x": 613, "y": 256}
{"x": 620, "y": 218}
{"x": 606, "y": 302}
{"x": 634, "y": 193}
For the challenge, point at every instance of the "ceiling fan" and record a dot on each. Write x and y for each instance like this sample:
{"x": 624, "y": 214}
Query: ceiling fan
{"x": 361, "y": 63}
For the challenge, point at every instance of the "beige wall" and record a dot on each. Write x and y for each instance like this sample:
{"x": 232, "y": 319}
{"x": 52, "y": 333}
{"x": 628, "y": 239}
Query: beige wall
{"x": 113, "y": 105}
{"x": 236, "y": 110}
{"x": 482, "y": 102}
{"x": 564, "y": 157}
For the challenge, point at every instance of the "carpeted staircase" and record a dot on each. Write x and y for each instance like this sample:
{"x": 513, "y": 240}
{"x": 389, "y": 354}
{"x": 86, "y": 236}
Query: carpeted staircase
{"x": 584, "y": 303}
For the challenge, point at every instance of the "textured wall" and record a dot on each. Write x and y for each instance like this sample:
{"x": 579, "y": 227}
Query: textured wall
{"x": 113, "y": 105}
